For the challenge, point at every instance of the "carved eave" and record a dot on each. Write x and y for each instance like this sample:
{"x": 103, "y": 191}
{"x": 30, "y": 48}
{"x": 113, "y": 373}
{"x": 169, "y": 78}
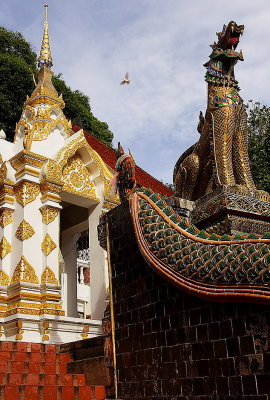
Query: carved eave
{"x": 27, "y": 163}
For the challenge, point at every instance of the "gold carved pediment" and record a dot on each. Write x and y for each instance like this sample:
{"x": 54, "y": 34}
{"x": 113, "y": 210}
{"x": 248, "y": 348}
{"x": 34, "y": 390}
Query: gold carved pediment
{"x": 77, "y": 178}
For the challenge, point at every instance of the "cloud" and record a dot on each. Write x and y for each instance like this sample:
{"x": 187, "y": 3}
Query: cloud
{"x": 163, "y": 46}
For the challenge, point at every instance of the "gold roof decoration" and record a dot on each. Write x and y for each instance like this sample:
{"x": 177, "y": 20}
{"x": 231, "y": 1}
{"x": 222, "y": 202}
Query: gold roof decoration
{"x": 45, "y": 57}
{"x": 43, "y": 109}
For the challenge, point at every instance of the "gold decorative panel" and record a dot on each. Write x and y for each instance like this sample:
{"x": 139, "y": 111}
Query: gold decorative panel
{"x": 47, "y": 245}
{"x": 5, "y": 247}
{"x": 24, "y": 231}
{"x": 26, "y": 192}
{"x": 4, "y": 174}
{"x": 5, "y": 216}
{"x": 77, "y": 179}
{"x": 4, "y": 278}
{"x": 48, "y": 276}
{"x": 24, "y": 272}
{"x": 53, "y": 173}
{"x": 49, "y": 214}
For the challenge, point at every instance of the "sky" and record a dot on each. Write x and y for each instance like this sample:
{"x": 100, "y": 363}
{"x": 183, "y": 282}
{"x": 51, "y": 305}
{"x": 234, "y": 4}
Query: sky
{"x": 163, "y": 44}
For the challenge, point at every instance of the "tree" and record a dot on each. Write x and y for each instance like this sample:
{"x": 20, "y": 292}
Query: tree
{"x": 17, "y": 66}
{"x": 259, "y": 144}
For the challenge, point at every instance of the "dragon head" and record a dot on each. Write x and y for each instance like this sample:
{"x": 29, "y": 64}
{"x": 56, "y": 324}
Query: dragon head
{"x": 220, "y": 67}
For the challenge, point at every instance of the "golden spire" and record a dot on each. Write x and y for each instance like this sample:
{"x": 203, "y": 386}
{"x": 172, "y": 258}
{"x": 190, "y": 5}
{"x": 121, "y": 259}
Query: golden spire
{"x": 45, "y": 57}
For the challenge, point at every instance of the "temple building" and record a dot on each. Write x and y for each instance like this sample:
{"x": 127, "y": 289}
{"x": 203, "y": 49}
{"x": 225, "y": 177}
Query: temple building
{"x": 54, "y": 186}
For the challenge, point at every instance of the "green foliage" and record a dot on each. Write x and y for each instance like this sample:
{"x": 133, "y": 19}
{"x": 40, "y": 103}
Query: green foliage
{"x": 259, "y": 144}
{"x": 16, "y": 82}
{"x": 17, "y": 66}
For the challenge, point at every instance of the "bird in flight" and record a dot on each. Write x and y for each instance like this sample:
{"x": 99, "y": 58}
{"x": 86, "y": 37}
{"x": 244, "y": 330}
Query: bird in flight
{"x": 125, "y": 81}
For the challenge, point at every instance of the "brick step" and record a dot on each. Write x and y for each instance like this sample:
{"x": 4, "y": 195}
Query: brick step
{"x": 51, "y": 393}
{"x": 42, "y": 379}
{"x": 94, "y": 369}
{"x": 32, "y": 367}
{"x": 84, "y": 349}
{"x": 36, "y": 357}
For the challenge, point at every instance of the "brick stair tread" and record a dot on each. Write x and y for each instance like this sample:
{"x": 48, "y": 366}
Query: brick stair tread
{"x": 27, "y": 346}
{"x": 34, "y": 356}
{"x": 13, "y": 379}
{"x": 45, "y": 393}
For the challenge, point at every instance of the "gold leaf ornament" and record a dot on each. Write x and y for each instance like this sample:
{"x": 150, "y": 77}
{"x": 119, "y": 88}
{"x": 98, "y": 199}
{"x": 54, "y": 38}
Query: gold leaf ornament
{"x": 49, "y": 214}
{"x": 48, "y": 276}
{"x": 5, "y": 247}
{"x": 48, "y": 245}
{"x": 26, "y": 192}
{"x": 4, "y": 278}
{"x": 24, "y": 231}
{"x": 24, "y": 272}
{"x": 5, "y": 216}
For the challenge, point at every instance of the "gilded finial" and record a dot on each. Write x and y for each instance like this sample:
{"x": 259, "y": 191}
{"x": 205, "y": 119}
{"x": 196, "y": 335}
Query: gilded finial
{"x": 45, "y": 57}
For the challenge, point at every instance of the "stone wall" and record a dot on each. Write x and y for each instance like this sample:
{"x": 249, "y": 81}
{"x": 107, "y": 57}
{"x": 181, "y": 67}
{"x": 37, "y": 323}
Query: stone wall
{"x": 174, "y": 346}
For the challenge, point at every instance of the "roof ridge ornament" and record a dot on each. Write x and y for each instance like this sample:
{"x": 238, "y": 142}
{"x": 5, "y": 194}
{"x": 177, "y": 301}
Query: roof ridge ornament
{"x": 45, "y": 57}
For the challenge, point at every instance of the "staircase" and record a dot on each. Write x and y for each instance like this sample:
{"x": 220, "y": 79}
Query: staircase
{"x": 33, "y": 371}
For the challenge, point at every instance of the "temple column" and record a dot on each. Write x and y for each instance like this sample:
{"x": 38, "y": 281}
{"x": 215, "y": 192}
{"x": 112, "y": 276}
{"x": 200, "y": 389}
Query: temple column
{"x": 97, "y": 265}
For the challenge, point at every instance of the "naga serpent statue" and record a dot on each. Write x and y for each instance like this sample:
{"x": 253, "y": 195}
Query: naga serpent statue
{"x": 220, "y": 157}
{"x": 227, "y": 267}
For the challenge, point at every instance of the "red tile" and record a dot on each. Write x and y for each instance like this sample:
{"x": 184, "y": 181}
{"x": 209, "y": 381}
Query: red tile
{"x": 84, "y": 393}
{"x": 31, "y": 393}
{"x": 63, "y": 368}
{"x": 81, "y": 380}
{"x": 21, "y": 346}
{"x": 100, "y": 393}
{"x": 64, "y": 357}
{"x": 2, "y": 379}
{"x": 50, "y": 380}
{"x": 3, "y": 367}
{"x": 5, "y": 355}
{"x": 15, "y": 379}
{"x": 36, "y": 357}
{"x": 66, "y": 380}
{"x": 7, "y": 346}
{"x": 19, "y": 356}
{"x": 36, "y": 347}
{"x": 50, "y": 368}
{"x": 11, "y": 393}
{"x": 50, "y": 348}
{"x": 34, "y": 368}
{"x": 50, "y": 357}
{"x": 33, "y": 379}
{"x": 49, "y": 393}
{"x": 17, "y": 366}
{"x": 68, "y": 393}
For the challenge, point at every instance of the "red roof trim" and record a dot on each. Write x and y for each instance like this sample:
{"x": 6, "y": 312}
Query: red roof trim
{"x": 109, "y": 157}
